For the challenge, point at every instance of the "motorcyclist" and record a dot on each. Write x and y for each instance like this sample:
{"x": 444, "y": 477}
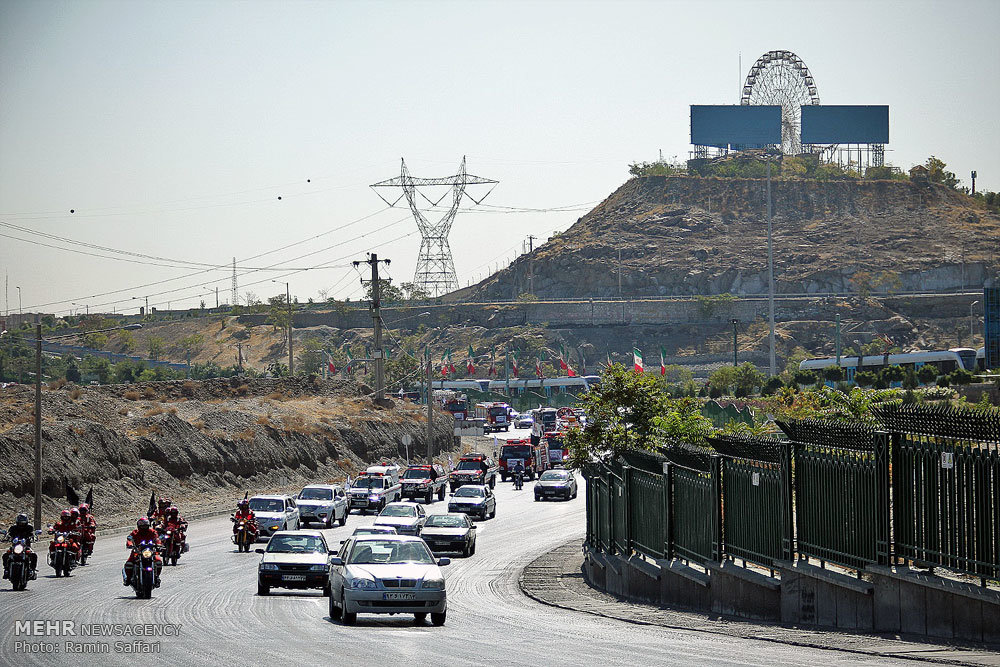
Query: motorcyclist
{"x": 67, "y": 525}
{"x": 243, "y": 512}
{"x": 519, "y": 475}
{"x": 23, "y": 529}
{"x": 175, "y": 523}
{"x": 142, "y": 533}
{"x": 87, "y": 526}
{"x": 161, "y": 510}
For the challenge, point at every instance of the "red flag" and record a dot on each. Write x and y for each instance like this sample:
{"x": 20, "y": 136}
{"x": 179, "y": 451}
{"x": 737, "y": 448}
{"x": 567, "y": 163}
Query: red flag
{"x": 470, "y": 369}
{"x": 538, "y": 367}
{"x": 563, "y": 365}
{"x": 330, "y": 367}
{"x": 663, "y": 363}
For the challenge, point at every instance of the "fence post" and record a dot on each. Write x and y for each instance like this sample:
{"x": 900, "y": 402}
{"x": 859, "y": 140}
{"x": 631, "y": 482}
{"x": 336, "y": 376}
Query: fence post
{"x": 668, "y": 524}
{"x": 611, "y": 513}
{"x": 717, "y": 545}
{"x": 787, "y": 500}
{"x": 883, "y": 499}
{"x": 627, "y": 484}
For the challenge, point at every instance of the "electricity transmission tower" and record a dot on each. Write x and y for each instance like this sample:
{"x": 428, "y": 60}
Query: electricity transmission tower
{"x": 435, "y": 272}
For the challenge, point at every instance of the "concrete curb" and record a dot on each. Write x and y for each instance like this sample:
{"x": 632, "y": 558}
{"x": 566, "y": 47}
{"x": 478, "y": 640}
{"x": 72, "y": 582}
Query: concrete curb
{"x": 542, "y": 581}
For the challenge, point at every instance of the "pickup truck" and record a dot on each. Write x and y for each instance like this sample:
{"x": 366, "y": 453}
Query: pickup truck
{"x": 373, "y": 492}
{"x": 474, "y": 469}
{"x": 424, "y": 481}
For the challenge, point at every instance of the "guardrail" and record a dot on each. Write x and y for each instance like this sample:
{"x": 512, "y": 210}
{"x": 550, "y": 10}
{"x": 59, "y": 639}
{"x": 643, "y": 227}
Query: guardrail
{"x": 925, "y": 488}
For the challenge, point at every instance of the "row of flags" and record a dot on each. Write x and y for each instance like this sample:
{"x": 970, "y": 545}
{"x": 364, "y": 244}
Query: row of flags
{"x": 448, "y": 366}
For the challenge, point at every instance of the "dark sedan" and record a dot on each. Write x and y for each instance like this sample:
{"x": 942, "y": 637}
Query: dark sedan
{"x": 556, "y": 484}
{"x": 450, "y": 532}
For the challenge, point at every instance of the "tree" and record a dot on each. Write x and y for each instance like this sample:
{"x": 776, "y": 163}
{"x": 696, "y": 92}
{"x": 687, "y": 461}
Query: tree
{"x": 894, "y": 373}
{"x": 621, "y": 413}
{"x": 192, "y": 344}
{"x": 311, "y": 356}
{"x": 127, "y": 340}
{"x": 936, "y": 173}
{"x": 677, "y": 374}
{"x": 96, "y": 341}
{"x": 962, "y": 376}
{"x": 833, "y": 373}
{"x": 772, "y": 385}
{"x": 413, "y": 292}
{"x": 401, "y": 369}
{"x": 722, "y": 378}
{"x": 72, "y": 371}
{"x": 748, "y": 379}
{"x": 389, "y": 292}
{"x": 805, "y": 377}
{"x": 910, "y": 382}
{"x": 98, "y": 366}
{"x": 865, "y": 378}
{"x": 927, "y": 373}
{"x": 155, "y": 346}
{"x": 277, "y": 314}
{"x": 863, "y": 283}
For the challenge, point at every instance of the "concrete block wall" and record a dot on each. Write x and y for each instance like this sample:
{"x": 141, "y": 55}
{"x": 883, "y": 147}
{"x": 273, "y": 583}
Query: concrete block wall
{"x": 888, "y": 600}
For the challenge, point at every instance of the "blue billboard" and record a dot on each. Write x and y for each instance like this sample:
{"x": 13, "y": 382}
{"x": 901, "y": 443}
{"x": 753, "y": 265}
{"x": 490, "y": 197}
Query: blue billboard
{"x": 845, "y": 124}
{"x": 725, "y": 126}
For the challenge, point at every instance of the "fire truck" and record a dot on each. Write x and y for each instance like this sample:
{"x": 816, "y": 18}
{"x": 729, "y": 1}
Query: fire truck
{"x": 534, "y": 458}
{"x": 545, "y": 420}
{"x": 473, "y": 468}
{"x": 495, "y": 416}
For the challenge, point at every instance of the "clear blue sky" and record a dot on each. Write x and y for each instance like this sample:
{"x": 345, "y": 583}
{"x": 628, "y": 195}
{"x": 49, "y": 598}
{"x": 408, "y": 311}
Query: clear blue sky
{"x": 172, "y": 128}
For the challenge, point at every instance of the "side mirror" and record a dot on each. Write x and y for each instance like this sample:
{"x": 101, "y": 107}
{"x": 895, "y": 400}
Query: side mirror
{"x": 444, "y": 561}
{"x": 336, "y": 560}
{"x": 260, "y": 551}
{"x": 333, "y": 552}
{"x": 473, "y": 526}
{"x": 342, "y": 541}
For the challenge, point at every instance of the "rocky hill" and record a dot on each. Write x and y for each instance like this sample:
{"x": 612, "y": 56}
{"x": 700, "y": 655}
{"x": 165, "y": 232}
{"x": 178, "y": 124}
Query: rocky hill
{"x": 687, "y": 235}
{"x": 203, "y": 443}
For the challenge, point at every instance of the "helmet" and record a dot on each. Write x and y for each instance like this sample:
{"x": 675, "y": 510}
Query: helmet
{"x": 172, "y": 511}
{"x": 21, "y": 519}
{"x": 74, "y": 513}
{"x": 243, "y": 504}
{"x": 143, "y": 522}
{"x": 65, "y": 515}
{"x": 166, "y": 502}
{"x": 84, "y": 509}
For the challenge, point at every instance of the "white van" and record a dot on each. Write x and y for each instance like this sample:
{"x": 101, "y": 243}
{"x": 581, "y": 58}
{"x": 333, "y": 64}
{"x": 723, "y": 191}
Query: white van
{"x": 391, "y": 471}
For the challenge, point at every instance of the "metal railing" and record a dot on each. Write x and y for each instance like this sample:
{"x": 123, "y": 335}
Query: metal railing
{"x": 926, "y": 489}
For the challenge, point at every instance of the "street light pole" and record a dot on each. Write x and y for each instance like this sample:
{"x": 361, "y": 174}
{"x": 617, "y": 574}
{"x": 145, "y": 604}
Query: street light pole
{"x": 430, "y": 414}
{"x": 972, "y": 333}
{"x": 20, "y": 308}
{"x": 38, "y": 424}
{"x": 770, "y": 274}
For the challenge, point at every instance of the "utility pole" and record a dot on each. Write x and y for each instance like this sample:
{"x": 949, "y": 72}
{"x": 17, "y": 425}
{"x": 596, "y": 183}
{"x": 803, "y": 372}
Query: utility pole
{"x": 506, "y": 367}
{"x": 38, "y": 424}
{"x": 770, "y": 272}
{"x": 379, "y": 354}
{"x": 430, "y": 414}
{"x": 619, "y": 273}
{"x": 838, "y": 339}
{"x": 288, "y": 300}
{"x": 239, "y": 357}
{"x": 531, "y": 245}
{"x": 216, "y": 296}
{"x": 236, "y": 300}
{"x": 735, "y": 322}
{"x": 973, "y": 184}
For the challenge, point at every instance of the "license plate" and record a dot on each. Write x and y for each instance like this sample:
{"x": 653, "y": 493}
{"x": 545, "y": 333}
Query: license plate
{"x": 399, "y": 596}
{"x": 293, "y": 577}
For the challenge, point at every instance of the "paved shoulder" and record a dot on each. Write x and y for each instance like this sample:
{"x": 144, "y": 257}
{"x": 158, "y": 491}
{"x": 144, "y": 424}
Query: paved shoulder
{"x": 556, "y": 579}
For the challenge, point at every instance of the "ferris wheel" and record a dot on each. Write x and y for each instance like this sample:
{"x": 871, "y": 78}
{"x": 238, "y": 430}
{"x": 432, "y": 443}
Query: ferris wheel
{"x": 781, "y": 78}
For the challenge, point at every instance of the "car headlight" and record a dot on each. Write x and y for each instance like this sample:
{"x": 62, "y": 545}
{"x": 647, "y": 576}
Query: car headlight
{"x": 362, "y": 584}
{"x": 373, "y": 497}
{"x": 319, "y": 568}
{"x": 268, "y": 566}
{"x": 433, "y": 584}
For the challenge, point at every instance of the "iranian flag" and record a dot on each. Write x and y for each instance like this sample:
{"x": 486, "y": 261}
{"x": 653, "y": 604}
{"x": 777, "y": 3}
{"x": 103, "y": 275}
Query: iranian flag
{"x": 329, "y": 365}
{"x": 538, "y": 366}
{"x": 451, "y": 364}
{"x": 562, "y": 363}
{"x": 637, "y": 360}
{"x": 469, "y": 367}
{"x": 513, "y": 363}
{"x": 608, "y": 365}
{"x": 663, "y": 363}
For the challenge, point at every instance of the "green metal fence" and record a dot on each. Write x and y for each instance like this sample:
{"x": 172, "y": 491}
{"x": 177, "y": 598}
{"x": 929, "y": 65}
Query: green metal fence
{"x": 946, "y": 489}
{"x": 840, "y": 492}
{"x": 756, "y": 509}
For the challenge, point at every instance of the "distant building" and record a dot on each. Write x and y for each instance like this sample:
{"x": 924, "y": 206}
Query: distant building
{"x": 919, "y": 173}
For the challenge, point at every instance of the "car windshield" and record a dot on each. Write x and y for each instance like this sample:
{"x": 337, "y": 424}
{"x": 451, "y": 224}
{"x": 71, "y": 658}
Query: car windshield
{"x": 372, "y": 552}
{"x": 289, "y": 544}
{"x": 498, "y": 411}
{"x": 368, "y": 483}
{"x": 316, "y": 494}
{"x": 446, "y": 521}
{"x": 548, "y": 418}
{"x": 267, "y": 505}
{"x": 554, "y": 475}
{"x": 398, "y": 510}
{"x": 515, "y": 451}
{"x": 469, "y": 492}
{"x": 417, "y": 473}
{"x": 469, "y": 465}
{"x": 374, "y": 530}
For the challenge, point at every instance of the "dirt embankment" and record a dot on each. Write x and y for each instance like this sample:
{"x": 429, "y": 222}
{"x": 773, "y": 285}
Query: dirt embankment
{"x": 202, "y": 443}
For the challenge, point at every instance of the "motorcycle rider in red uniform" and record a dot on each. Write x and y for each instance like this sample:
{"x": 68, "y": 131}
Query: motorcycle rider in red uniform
{"x": 243, "y": 511}
{"x": 88, "y": 526}
{"x": 22, "y": 528}
{"x": 160, "y": 512}
{"x": 67, "y": 525}
{"x": 142, "y": 533}
{"x": 175, "y": 523}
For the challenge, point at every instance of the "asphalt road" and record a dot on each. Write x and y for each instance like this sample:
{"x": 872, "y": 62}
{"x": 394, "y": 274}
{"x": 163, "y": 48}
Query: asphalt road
{"x": 212, "y": 595}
